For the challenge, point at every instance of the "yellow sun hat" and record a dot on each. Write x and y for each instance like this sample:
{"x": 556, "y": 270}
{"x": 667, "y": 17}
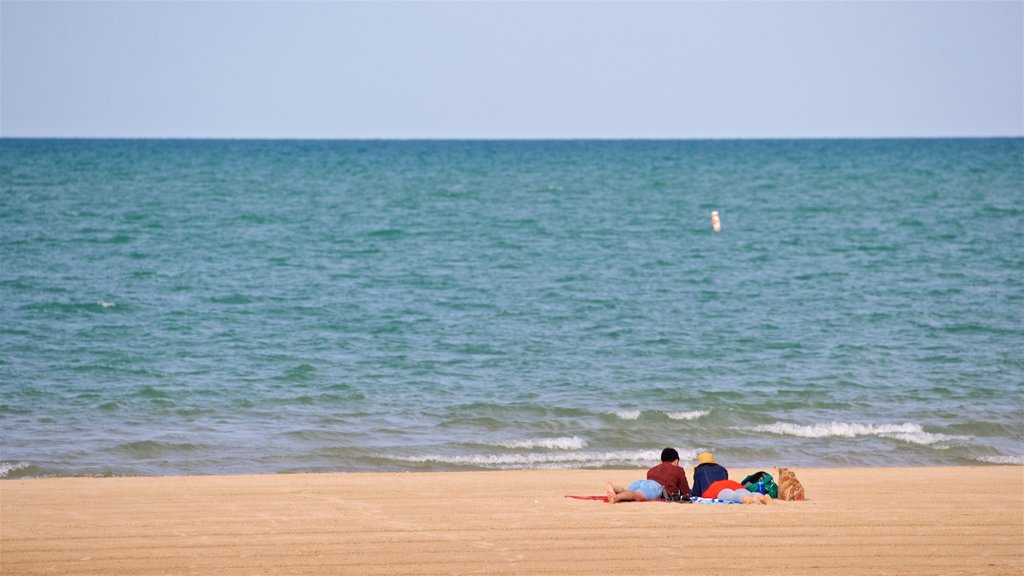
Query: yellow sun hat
{"x": 705, "y": 458}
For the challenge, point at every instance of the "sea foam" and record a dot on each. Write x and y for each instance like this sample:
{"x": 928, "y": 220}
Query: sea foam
{"x": 637, "y": 458}
{"x": 7, "y": 467}
{"x": 564, "y": 443}
{"x": 1011, "y": 460}
{"x": 635, "y": 414}
{"x": 695, "y": 414}
{"x": 906, "y": 432}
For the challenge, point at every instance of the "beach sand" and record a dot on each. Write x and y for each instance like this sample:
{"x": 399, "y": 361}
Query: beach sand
{"x": 934, "y": 520}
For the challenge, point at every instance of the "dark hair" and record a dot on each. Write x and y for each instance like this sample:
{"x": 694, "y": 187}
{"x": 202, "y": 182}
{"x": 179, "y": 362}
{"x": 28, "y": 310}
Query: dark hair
{"x": 669, "y": 455}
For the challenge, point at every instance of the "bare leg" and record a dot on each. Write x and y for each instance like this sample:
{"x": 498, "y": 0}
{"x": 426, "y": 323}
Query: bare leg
{"x": 613, "y": 494}
{"x": 628, "y": 496}
{"x": 610, "y": 492}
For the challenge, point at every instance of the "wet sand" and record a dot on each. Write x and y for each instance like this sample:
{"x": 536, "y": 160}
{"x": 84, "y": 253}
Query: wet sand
{"x": 961, "y": 520}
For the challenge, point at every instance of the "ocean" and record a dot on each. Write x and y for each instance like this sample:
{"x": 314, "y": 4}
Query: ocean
{"x": 185, "y": 307}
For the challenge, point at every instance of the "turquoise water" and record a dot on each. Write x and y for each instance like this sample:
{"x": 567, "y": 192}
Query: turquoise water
{"x": 221, "y": 307}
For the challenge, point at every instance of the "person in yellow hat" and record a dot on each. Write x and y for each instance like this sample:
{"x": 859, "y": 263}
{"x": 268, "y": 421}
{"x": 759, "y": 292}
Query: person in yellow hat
{"x": 706, "y": 473}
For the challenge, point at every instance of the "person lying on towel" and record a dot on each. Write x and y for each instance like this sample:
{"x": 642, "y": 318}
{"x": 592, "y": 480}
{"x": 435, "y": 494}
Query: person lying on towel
{"x": 666, "y": 478}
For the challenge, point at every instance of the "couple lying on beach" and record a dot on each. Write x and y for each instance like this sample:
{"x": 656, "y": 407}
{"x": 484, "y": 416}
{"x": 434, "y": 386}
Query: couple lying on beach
{"x": 668, "y": 480}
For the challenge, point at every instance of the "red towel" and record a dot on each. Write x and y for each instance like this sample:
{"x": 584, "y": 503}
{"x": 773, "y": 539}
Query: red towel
{"x": 604, "y": 499}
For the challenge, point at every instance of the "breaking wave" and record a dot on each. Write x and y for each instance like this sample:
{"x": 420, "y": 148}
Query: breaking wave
{"x": 693, "y": 415}
{"x": 638, "y": 458}
{"x": 906, "y": 432}
{"x": 7, "y": 467}
{"x": 565, "y": 443}
{"x": 1013, "y": 460}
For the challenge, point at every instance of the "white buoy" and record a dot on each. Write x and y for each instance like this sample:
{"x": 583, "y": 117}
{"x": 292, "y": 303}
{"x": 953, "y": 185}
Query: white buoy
{"x": 716, "y": 224}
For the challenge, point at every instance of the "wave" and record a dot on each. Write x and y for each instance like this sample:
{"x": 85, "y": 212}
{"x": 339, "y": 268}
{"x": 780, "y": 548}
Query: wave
{"x": 151, "y": 392}
{"x": 1013, "y": 460}
{"x": 906, "y": 432}
{"x": 156, "y": 448}
{"x": 684, "y": 415}
{"x": 565, "y": 443}
{"x": 630, "y": 459}
{"x": 71, "y": 307}
{"x": 6, "y": 468}
{"x": 301, "y": 373}
{"x": 693, "y": 415}
{"x": 8, "y": 409}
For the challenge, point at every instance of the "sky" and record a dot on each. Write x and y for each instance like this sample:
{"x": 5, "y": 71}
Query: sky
{"x": 585, "y": 69}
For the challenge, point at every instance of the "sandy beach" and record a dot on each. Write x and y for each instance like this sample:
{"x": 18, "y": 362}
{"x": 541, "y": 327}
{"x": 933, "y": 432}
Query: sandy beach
{"x": 932, "y": 520}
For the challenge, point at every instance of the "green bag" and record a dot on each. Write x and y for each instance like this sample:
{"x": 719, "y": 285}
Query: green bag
{"x": 770, "y": 488}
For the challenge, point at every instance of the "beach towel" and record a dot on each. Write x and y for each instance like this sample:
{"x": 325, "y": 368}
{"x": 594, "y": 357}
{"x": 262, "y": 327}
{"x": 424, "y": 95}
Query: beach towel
{"x": 696, "y": 500}
{"x": 713, "y": 501}
{"x": 604, "y": 499}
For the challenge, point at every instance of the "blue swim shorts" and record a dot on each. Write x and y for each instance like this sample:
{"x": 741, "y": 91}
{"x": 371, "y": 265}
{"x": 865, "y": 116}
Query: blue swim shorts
{"x": 649, "y": 488}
